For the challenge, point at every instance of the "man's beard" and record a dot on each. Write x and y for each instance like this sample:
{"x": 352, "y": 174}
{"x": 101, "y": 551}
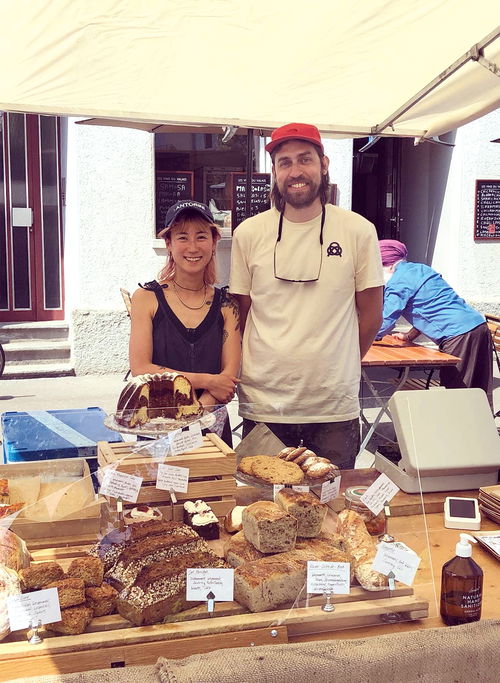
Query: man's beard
{"x": 304, "y": 198}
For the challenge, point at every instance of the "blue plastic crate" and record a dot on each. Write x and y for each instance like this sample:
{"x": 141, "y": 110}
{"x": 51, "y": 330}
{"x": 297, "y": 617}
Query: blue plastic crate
{"x": 45, "y": 435}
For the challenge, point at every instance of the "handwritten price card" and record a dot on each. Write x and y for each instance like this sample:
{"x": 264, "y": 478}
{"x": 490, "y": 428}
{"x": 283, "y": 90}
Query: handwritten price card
{"x": 182, "y": 441}
{"x": 398, "y": 559}
{"x": 171, "y": 477}
{"x": 206, "y": 584}
{"x": 328, "y": 577}
{"x": 120, "y": 485}
{"x": 29, "y": 608}
{"x": 330, "y": 490}
{"x": 379, "y": 494}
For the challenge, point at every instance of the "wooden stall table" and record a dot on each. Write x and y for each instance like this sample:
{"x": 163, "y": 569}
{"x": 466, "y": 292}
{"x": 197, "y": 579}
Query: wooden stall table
{"x": 390, "y": 352}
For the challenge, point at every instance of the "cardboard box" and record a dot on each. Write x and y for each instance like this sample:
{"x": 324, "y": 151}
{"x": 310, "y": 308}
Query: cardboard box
{"x": 85, "y": 521}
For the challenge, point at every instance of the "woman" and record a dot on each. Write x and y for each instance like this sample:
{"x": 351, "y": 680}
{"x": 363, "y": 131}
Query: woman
{"x": 181, "y": 322}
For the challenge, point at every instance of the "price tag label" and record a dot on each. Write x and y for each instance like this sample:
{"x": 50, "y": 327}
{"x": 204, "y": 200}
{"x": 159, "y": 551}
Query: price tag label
{"x": 379, "y": 494}
{"x": 329, "y": 577}
{"x": 171, "y": 477}
{"x": 301, "y": 489}
{"x": 120, "y": 485}
{"x": 218, "y": 582}
{"x": 186, "y": 440}
{"x": 330, "y": 490}
{"x": 396, "y": 559}
{"x": 25, "y": 610}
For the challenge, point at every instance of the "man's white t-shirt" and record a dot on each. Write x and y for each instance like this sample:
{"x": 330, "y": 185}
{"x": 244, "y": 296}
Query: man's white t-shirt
{"x": 301, "y": 359}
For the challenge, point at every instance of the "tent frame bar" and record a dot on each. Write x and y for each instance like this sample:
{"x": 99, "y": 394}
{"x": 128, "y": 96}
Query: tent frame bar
{"x": 474, "y": 54}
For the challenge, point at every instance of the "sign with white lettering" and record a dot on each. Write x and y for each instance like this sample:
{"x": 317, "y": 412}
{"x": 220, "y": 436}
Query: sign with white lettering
{"x": 329, "y": 577}
{"x": 378, "y": 495}
{"x": 397, "y": 558}
{"x": 183, "y": 440}
{"x": 487, "y": 210}
{"x": 120, "y": 485}
{"x": 29, "y": 608}
{"x": 171, "y": 477}
{"x": 218, "y": 582}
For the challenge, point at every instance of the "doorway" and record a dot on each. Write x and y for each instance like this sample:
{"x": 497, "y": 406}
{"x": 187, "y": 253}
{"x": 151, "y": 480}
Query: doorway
{"x": 31, "y": 236}
{"x": 376, "y": 184}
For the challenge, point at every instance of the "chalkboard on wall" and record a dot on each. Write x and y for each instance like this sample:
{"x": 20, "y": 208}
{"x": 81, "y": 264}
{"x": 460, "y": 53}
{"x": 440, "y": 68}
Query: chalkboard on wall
{"x": 171, "y": 187}
{"x": 259, "y": 198}
{"x": 487, "y": 210}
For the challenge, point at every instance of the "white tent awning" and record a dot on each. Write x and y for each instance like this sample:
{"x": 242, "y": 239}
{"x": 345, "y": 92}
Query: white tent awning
{"x": 347, "y": 67}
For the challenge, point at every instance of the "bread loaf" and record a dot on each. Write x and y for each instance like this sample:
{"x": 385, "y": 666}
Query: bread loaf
{"x": 74, "y": 620}
{"x": 359, "y": 544}
{"x": 237, "y": 550}
{"x": 277, "y": 579}
{"x": 39, "y": 575}
{"x": 69, "y": 591}
{"x": 9, "y": 586}
{"x": 89, "y": 569}
{"x": 160, "y": 588}
{"x": 268, "y": 527}
{"x": 306, "y": 509}
{"x": 102, "y": 599}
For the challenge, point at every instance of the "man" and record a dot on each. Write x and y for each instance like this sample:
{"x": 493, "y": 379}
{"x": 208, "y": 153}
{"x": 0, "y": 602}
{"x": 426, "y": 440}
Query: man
{"x": 419, "y": 294}
{"x": 308, "y": 278}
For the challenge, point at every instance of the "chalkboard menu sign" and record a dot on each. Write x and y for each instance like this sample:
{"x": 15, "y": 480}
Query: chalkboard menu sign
{"x": 259, "y": 197}
{"x": 487, "y": 210}
{"x": 171, "y": 187}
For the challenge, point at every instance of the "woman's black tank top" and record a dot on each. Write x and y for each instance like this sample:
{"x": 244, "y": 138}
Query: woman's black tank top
{"x": 184, "y": 349}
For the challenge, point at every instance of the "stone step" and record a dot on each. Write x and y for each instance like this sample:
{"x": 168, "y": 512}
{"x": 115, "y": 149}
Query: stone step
{"x": 53, "y": 329}
{"x": 36, "y": 351}
{"x": 16, "y": 371}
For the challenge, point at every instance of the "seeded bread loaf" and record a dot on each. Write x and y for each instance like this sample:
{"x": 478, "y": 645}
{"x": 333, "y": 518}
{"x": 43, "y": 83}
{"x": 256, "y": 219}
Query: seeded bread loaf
{"x": 142, "y": 553}
{"x": 277, "y": 579}
{"x": 160, "y": 588}
{"x": 306, "y": 509}
{"x": 268, "y": 527}
{"x": 237, "y": 550}
{"x": 360, "y": 545}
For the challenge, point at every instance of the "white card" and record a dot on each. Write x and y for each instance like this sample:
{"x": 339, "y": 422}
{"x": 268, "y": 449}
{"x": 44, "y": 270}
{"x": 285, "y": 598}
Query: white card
{"x": 329, "y": 577}
{"x": 29, "y": 608}
{"x": 171, "y": 477}
{"x": 120, "y": 485}
{"x": 182, "y": 441}
{"x": 379, "y": 493}
{"x": 301, "y": 489}
{"x": 398, "y": 559}
{"x": 210, "y": 584}
{"x": 276, "y": 489}
{"x": 492, "y": 542}
{"x": 330, "y": 490}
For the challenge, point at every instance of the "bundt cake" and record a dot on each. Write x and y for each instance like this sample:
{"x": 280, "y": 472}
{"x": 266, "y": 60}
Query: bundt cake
{"x": 155, "y": 397}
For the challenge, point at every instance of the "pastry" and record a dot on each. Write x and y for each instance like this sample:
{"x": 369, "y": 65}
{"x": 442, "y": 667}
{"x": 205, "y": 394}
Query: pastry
{"x": 142, "y": 513}
{"x": 277, "y": 471}
{"x": 156, "y": 397}
{"x": 233, "y": 521}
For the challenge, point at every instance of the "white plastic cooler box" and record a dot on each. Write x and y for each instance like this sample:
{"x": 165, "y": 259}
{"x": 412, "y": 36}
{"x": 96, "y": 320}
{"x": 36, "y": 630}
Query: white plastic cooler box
{"x": 48, "y": 434}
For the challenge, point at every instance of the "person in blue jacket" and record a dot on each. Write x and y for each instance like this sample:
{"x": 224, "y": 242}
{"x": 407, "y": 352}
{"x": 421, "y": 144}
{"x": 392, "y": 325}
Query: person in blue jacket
{"x": 421, "y": 295}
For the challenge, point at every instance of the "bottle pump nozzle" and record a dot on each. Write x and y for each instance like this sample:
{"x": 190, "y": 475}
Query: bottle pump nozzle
{"x": 463, "y": 547}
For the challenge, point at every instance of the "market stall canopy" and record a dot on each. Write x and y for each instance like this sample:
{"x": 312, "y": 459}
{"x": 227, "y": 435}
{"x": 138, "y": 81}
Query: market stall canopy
{"x": 351, "y": 68}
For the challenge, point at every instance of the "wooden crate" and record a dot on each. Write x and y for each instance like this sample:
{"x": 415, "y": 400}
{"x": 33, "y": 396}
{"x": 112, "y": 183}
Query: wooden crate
{"x": 211, "y": 475}
{"x": 112, "y": 642}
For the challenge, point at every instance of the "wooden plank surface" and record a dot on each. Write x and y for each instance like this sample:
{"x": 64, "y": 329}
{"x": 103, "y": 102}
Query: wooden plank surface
{"x": 392, "y": 352}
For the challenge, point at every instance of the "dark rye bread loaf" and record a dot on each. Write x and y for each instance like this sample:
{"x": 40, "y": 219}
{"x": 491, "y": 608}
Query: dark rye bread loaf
{"x": 111, "y": 545}
{"x": 278, "y": 579}
{"x": 140, "y": 554}
{"x": 160, "y": 588}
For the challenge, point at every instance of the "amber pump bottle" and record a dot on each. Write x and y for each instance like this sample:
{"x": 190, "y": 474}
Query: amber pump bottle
{"x": 461, "y": 586}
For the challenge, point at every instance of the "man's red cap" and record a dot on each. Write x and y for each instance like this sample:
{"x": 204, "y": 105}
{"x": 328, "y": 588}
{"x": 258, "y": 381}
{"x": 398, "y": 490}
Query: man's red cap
{"x": 295, "y": 131}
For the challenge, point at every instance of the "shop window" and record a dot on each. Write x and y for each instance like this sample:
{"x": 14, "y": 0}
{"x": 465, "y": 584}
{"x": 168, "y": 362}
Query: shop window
{"x": 212, "y": 169}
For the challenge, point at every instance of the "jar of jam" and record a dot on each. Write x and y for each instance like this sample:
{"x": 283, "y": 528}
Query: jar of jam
{"x": 375, "y": 524}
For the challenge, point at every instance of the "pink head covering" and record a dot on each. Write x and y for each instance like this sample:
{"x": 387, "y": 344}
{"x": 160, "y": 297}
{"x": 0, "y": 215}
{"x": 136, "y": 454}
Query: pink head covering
{"x": 392, "y": 251}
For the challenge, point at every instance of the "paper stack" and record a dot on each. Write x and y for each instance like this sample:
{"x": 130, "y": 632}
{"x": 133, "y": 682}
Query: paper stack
{"x": 489, "y": 502}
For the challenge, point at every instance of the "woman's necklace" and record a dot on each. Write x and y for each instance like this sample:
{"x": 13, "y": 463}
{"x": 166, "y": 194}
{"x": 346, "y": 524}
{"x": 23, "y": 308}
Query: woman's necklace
{"x": 189, "y": 289}
{"x": 192, "y": 308}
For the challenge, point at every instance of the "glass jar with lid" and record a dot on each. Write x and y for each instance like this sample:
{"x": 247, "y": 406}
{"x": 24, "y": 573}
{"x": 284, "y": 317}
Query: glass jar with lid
{"x": 375, "y": 524}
